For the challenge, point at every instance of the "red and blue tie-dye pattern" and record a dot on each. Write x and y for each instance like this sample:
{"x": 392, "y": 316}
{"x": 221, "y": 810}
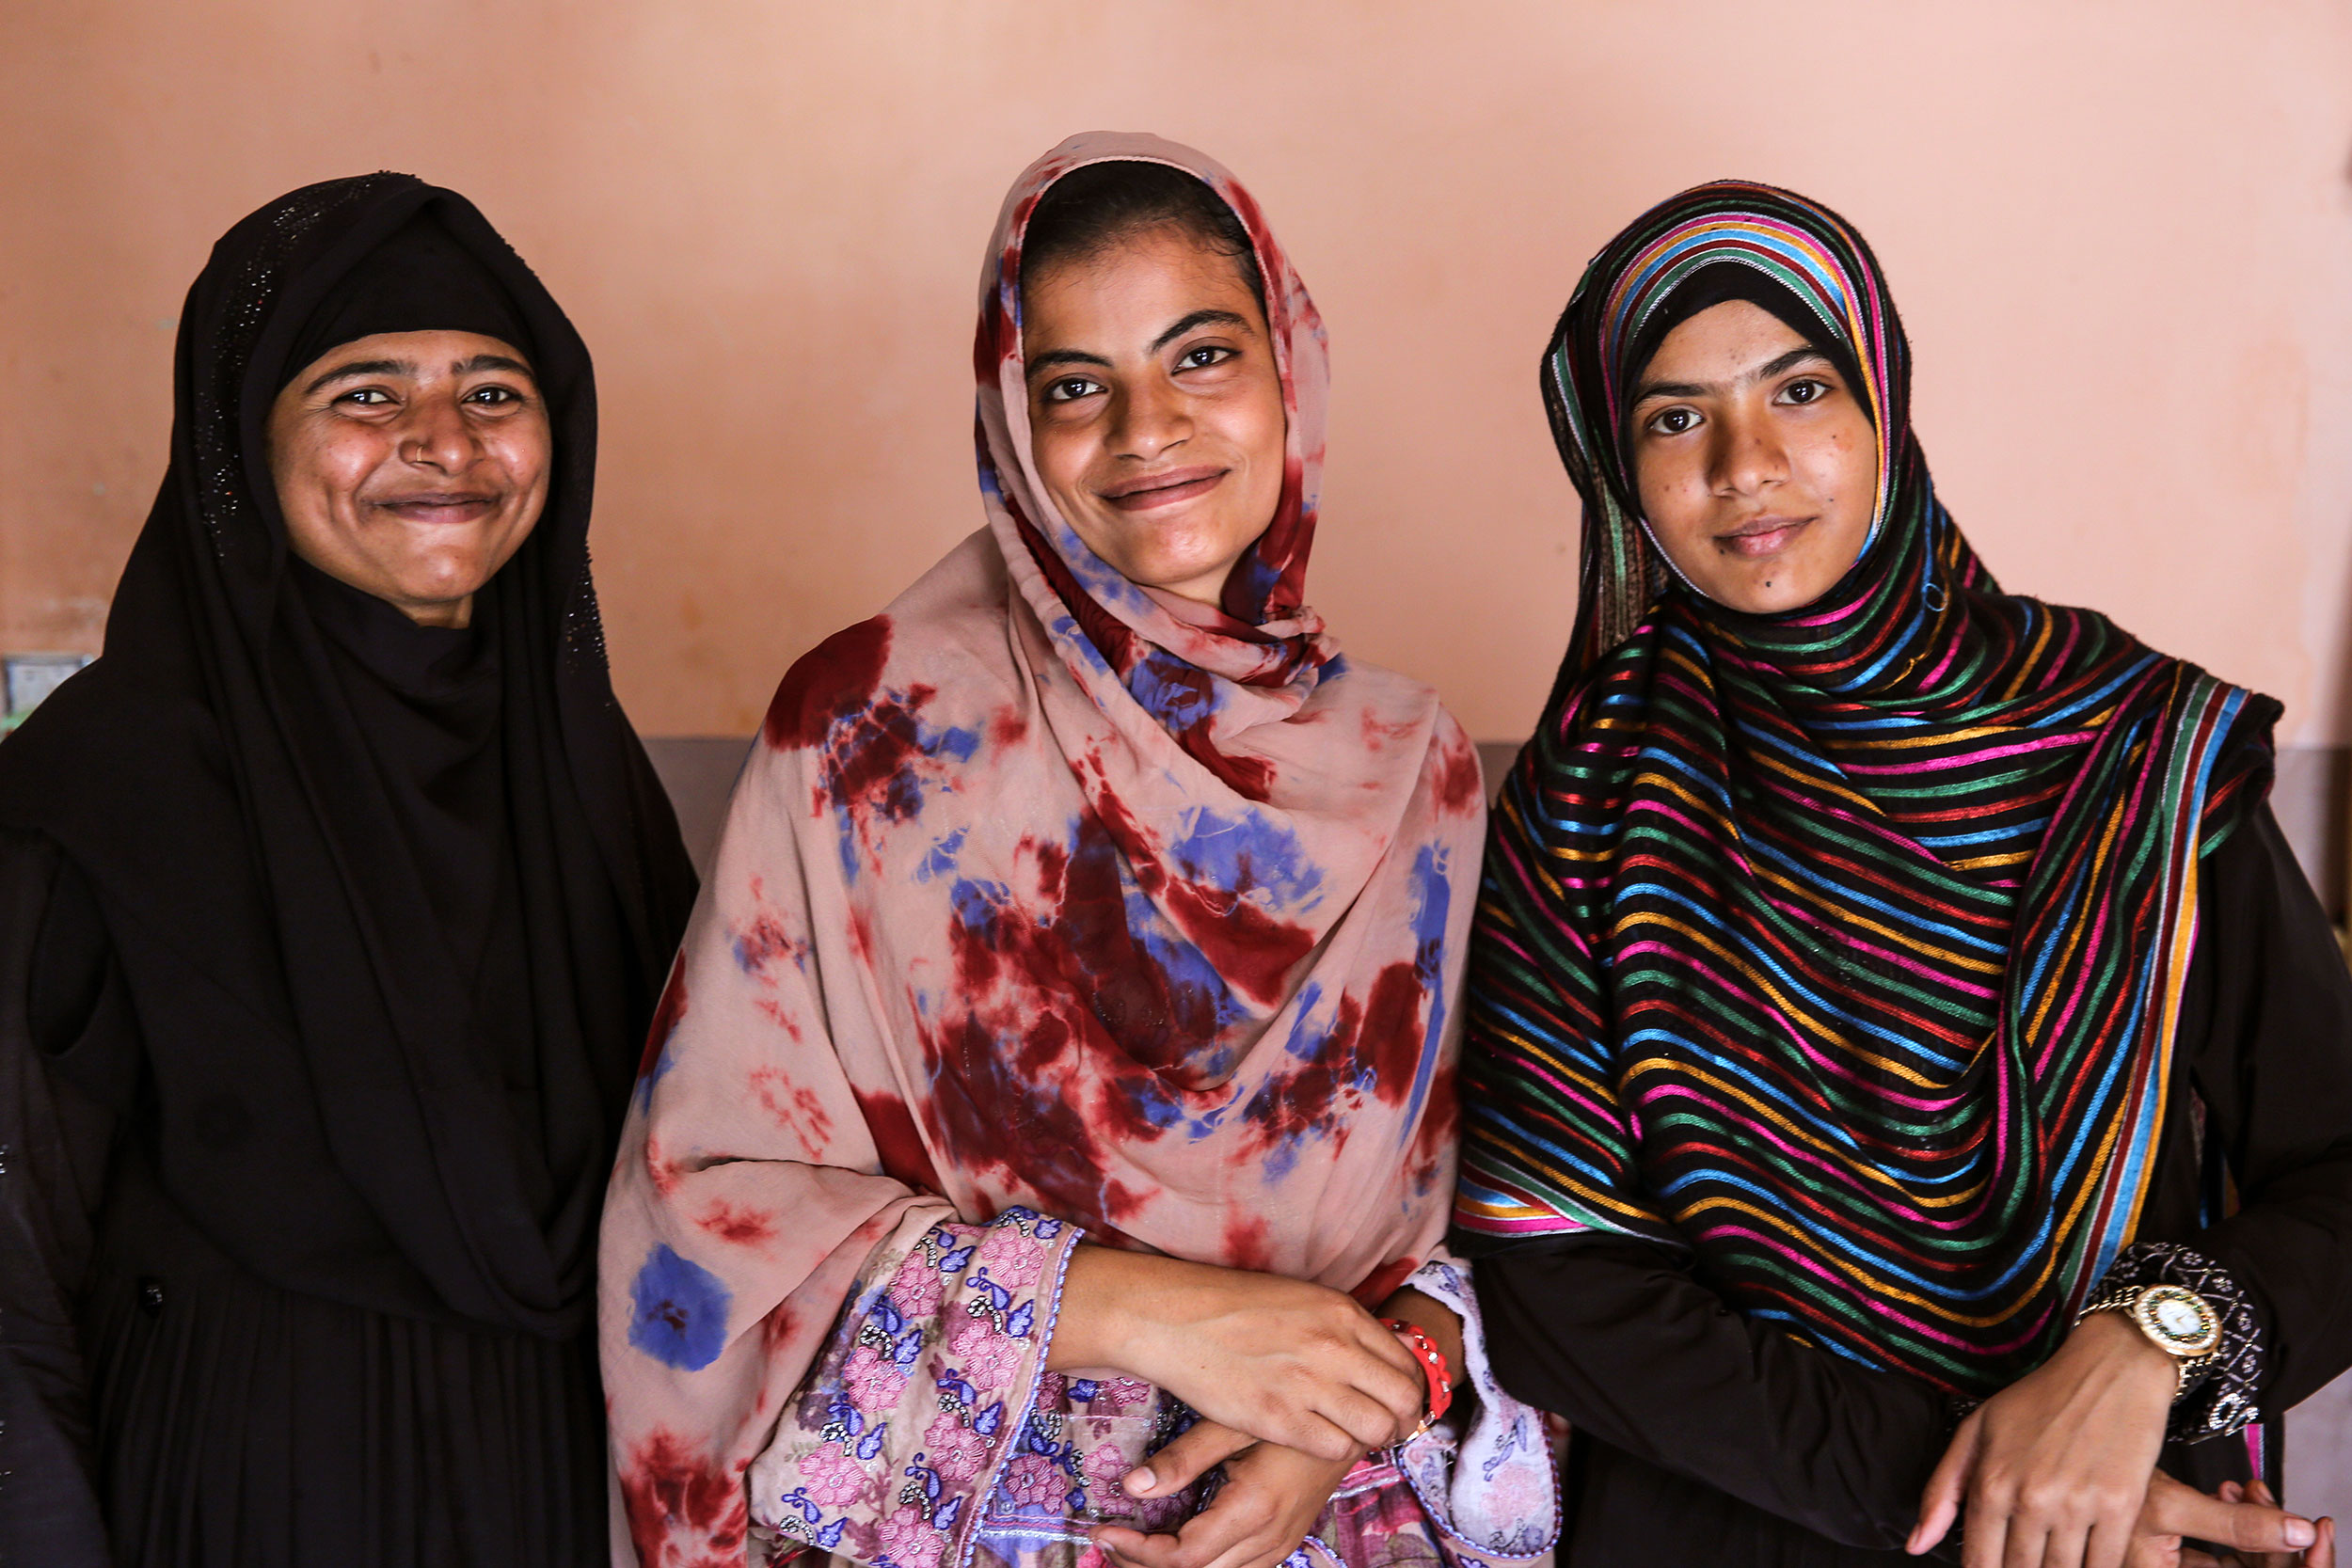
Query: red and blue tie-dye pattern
{"x": 1045, "y": 906}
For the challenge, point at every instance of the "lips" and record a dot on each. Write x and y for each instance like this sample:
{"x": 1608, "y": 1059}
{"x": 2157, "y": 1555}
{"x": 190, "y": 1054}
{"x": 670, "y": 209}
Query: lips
{"x": 1146, "y": 491}
{"x": 441, "y": 506}
{"x": 1762, "y": 536}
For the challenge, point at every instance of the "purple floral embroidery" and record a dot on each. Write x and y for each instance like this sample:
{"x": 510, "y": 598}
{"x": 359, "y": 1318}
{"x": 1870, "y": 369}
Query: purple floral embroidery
{"x": 1014, "y": 1264}
{"x": 1034, "y": 1481}
{"x": 830, "y": 1477}
{"x": 918, "y": 1293}
{"x": 956, "y": 1450}
{"x": 909, "y": 1540}
{"x": 979, "y": 1348}
{"x": 1120, "y": 1395}
{"x": 873, "y": 1380}
{"x": 1106, "y": 1468}
{"x": 905, "y": 1419}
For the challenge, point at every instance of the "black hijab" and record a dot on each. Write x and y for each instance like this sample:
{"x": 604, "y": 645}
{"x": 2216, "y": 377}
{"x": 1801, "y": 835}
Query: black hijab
{"x": 393, "y": 902}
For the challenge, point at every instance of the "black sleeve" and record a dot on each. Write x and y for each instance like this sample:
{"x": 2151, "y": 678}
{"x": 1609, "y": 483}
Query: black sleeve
{"x": 1614, "y": 1335}
{"x": 57, "y": 986}
{"x": 2274, "y": 1069}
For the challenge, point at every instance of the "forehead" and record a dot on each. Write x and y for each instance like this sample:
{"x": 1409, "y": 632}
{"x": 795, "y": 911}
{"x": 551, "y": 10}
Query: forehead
{"x": 432, "y": 351}
{"x": 1141, "y": 281}
{"x": 1723, "y": 339}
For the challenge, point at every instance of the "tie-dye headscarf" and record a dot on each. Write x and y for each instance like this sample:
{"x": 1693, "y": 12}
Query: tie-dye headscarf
{"x": 1040, "y": 896}
{"x": 1841, "y": 949}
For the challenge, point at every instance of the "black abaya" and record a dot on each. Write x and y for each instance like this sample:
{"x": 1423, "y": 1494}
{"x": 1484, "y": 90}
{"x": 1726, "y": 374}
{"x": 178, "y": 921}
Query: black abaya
{"x": 327, "y": 942}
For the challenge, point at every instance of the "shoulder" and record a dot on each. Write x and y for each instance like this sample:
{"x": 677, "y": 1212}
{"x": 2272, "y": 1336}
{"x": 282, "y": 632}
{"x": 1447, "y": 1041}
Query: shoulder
{"x": 105, "y": 733}
{"x": 946, "y": 632}
{"x": 1397, "y": 708}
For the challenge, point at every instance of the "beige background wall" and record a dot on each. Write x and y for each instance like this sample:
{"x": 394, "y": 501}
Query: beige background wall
{"x": 2121, "y": 234}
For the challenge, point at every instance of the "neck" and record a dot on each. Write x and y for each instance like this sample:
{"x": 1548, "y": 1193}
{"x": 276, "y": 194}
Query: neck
{"x": 455, "y": 614}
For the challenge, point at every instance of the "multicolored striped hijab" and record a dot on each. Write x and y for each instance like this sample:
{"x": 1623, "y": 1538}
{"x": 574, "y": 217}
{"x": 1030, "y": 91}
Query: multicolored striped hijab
{"x": 1839, "y": 950}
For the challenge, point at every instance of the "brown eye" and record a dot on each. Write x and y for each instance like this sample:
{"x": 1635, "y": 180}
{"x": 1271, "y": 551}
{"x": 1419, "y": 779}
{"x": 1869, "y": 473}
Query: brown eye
{"x": 1674, "y": 421}
{"x": 1808, "y": 392}
{"x": 367, "y": 397}
{"x": 1070, "y": 388}
{"x": 1205, "y": 356}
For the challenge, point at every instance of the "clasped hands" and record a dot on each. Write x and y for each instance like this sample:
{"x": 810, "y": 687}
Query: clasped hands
{"x": 2058, "y": 1470}
{"x": 1293, "y": 1384}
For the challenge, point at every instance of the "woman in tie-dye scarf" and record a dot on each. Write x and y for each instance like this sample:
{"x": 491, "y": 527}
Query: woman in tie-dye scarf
{"x": 1064, "y": 1043}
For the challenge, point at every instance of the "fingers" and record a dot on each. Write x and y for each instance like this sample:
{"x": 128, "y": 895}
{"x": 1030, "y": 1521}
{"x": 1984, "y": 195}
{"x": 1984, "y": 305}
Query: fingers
{"x": 2110, "y": 1544}
{"x": 1397, "y": 1382}
{"x": 1373, "y": 1423}
{"x": 1236, "y": 1529}
{"x": 2322, "y": 1553}
{"x": 2242, "y": 1526}
{"x": 2064, "y": 1547}
{"x": 1985, "y": 1544}
{"x": 2023, "y": 1547}
{"x": 1186, "y": 1458}
{"x": 1939, "y": 1505}
{"x": 1205, "y": 1537}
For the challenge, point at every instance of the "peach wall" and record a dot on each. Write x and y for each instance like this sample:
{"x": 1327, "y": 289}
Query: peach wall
{"x": 2121, "y": 233}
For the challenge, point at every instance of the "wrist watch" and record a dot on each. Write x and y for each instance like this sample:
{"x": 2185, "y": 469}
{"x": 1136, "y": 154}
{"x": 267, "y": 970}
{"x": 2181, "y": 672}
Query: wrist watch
{"x": 2177, "y": 1320}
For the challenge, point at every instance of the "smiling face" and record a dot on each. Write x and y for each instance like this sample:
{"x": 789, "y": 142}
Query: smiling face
{"x": 412, "y": 465}
{"x": 1756, "y": 463}
{"x": 1155, "y": 411}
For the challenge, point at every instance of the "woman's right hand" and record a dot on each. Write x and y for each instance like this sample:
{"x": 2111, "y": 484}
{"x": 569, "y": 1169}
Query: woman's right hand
{"x": 1282, "y": 1360}
{"x": 2244, "y": 1522}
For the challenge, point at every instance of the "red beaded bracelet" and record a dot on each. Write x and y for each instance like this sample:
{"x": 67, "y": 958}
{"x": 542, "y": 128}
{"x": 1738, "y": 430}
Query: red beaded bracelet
{"x": 1433, "y": 1365}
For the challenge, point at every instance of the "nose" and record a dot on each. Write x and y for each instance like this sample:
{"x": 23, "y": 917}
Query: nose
{"x": 1749, "y": 455}
{"x": 435, "y": 434}
{"x": 1151, "y": 419}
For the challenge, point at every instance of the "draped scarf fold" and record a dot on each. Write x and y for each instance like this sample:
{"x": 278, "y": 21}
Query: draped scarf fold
{"x": 1840, "y": 950}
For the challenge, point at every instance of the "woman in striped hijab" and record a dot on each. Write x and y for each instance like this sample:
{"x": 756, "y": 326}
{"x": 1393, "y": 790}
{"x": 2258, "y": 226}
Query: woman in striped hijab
{"x": 1909, "y": 1082}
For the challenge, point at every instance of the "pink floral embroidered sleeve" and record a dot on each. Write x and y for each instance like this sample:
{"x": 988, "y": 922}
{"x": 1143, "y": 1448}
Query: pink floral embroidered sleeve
{"x": 914, "y": 1409}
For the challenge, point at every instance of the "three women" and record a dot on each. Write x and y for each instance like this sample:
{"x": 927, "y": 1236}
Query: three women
{"x": 1894, "y": 1012}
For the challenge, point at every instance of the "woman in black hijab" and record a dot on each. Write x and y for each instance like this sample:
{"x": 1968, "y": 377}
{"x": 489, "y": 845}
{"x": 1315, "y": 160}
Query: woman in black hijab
{"x": 334, "y": 899}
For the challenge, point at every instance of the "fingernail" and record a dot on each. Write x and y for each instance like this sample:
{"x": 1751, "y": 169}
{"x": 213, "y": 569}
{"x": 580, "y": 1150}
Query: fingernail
{"x": 1140, "y": 1480}
{"x": 2301, "y": 1532}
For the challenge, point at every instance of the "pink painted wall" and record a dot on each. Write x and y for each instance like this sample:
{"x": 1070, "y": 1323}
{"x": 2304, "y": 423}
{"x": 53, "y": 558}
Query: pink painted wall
{"x": 2122, "y": 232}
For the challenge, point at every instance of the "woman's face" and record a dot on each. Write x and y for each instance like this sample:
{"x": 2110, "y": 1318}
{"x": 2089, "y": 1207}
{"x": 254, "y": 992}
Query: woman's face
{"x": 1156, "y": 412}
{"x": 412, "y": 465}
{"x": 1756, "y": 463}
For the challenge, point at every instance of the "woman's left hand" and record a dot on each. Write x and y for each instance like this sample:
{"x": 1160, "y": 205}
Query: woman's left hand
{"x": 1270, "y": 1500}
{"x": 2321, "y": 1555}
{"x": 2054, "y": 1468}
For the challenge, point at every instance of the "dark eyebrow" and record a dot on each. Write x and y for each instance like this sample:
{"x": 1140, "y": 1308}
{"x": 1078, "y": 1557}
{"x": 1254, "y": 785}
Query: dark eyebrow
{"x": 1779, "y": 365}
{"x": 1184, "y": 325}
{"x": 475, "y": 366}
{"x": 1063, "y": 356}
{"x": 1198, "y": 317}
{"x": 362, "y": 367}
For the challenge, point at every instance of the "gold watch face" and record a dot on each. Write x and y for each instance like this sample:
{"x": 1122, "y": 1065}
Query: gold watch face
{"x": 2182, "y": 1322}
